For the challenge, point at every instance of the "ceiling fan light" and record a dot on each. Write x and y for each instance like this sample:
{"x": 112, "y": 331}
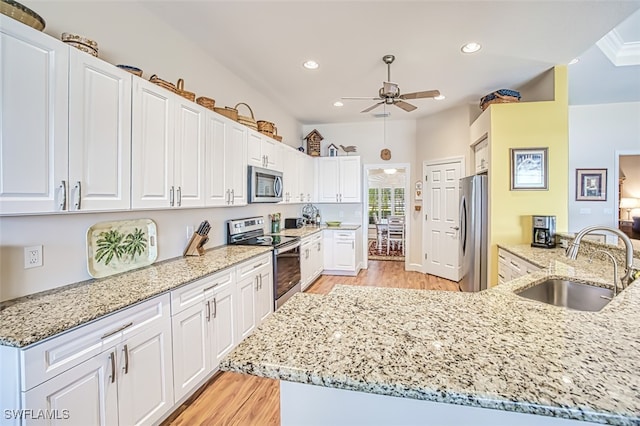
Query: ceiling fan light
{"x": 471, "y": 47}
{"x": 311, "y": 65}
{"x": 439, "y": 97}
{"x": 390, "y": 171}
{"x": 338, "y": 104}
{"x": 574, "y": 61}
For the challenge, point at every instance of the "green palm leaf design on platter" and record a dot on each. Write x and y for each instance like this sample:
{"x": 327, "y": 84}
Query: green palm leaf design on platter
{"x": 109, "y": 246}
{"x": 135, "y": 243}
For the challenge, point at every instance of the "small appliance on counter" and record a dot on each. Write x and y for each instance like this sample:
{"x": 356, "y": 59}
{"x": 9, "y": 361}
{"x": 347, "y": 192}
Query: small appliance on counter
{"x": 293, "y": 222}
{"x": 544, "y": 231}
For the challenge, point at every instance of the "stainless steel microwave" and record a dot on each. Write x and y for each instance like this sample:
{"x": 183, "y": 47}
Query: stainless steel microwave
{"x": 265, "y": 186}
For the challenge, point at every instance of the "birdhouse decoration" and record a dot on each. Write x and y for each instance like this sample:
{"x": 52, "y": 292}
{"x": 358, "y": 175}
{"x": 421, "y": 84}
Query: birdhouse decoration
{"x": 313, "y": 143}
{"x": 333, "y": 150}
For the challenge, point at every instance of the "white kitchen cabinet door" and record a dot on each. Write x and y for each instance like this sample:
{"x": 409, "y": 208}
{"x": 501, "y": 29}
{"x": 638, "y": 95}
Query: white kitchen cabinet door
{"x": 152, "y": 146}
{"x": 255, "y": 157}
{"x": 247, "y": 289}
{"x": 317, "y": 256}
{"x": 350, "y": 180}
{"x": 191, "y": 349}
{"x": 236, "y": 163}
{"x": 344, "y": 253}
{"x": 216, "y": 163}
{"x": 189, "y": 176}
{"x": 308, "y": 179}
{"x": 145, "y": 382}
{"x": 224, "y": 321}
{"x": 328, "y": 180}
{"x": 290, "y": 177}
{"x": 306, "y": 262}
{"x": 82, "y": 395}
{"x": 99, "y": 134}
{"x": 271, "y": 150}
{"x": 264, "y": 297}
{"x": 34, "y": 113}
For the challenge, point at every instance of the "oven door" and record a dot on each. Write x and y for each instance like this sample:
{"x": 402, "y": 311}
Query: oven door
{"x": 286, "y": 273}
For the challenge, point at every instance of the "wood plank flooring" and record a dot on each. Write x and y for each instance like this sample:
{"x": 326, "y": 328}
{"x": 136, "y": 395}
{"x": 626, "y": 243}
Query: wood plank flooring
{"x": 238, "y": 399}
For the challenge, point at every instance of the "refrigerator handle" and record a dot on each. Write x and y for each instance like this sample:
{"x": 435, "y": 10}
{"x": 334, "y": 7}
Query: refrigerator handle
{"x": 463, "y": 224}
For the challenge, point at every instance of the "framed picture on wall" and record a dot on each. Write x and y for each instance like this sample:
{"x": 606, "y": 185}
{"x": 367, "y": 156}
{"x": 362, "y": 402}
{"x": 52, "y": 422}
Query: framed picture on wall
{"x": 529, "y": 168}
{"x": 591, "y": 184}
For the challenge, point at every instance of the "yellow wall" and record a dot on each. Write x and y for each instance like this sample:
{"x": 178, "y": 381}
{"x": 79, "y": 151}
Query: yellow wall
{"x": 528, "y": 125}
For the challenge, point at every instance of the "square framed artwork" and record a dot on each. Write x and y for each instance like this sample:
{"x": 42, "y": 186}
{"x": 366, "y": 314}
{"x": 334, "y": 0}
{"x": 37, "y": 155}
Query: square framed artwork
{"x": 591, "y": 184}
{"x": 529, "y": 169}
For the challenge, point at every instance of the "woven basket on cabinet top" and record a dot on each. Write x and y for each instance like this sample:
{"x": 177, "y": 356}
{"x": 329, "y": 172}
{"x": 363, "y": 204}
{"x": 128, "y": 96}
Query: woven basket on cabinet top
{"x": 246, "y": 120}
{"x": 206, "y": 102}
{"x": 266, "y": 127}
{"x": 228, "y": 112}
{"x": 275, "y": 134}
{"x": 162, "y": 83}
{"x": 185, "y": 94}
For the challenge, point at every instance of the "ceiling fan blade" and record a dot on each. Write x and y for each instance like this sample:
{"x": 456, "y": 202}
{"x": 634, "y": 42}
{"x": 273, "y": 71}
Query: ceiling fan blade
{"x": 372, "y": 107}
{"x": 419, "y": 95}
{"x": 360, "y": 98}
{"x": 405, "y": 106}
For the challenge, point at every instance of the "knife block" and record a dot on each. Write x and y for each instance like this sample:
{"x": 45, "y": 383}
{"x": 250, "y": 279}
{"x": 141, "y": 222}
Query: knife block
{"x": 194, "y": 248}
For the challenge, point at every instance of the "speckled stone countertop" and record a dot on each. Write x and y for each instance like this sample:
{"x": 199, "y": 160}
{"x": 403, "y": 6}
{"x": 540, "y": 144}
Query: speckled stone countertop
{"x": 492, "y": 349}
{"x": 342, "y": 227}
{"x": 305, "y": 231}
{"x": 30, "y": 319}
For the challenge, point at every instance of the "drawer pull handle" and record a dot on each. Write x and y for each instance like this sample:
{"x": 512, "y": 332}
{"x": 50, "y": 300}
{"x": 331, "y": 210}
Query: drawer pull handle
{"x": 111, "y": 333}
{"x": 112, "y": 357}
{"x": 126, "y": 359}
{"x": 258, "y": 265}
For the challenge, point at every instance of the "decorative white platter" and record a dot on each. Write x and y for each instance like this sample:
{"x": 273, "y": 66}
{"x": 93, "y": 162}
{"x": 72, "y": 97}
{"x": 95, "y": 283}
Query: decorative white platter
{"x": 119, "y": 246}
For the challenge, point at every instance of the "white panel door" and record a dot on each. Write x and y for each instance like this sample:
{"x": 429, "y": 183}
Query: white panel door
{"x": 441, "y": 231}
{"x": 328, "y": 180}
{"x": 191, "y": 348}
{"x": 224, "y": 321}
{"x": 247, "y": 289}
{"x": 189, "y": 176}
{"x": 152, "y": 146}
{"x": 99, "y": 134}
{"x": 145, "y": 388}
{"x": 33, "y": 120}
{"x": 215, "y": 163}
{"x": 86, "y": 394}
{"x": 236, "y": 174}
{"x": 350, "y": 180}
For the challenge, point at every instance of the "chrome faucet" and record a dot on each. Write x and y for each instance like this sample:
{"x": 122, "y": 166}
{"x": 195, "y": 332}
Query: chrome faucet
{"x": 615, "y": 269}
{"x": 572, "y": 250}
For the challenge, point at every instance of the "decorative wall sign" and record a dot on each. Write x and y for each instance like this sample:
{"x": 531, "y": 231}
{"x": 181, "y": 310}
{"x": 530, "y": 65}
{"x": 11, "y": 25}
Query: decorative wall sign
{"x": 418, "y": 195}
{"x": 385, "y": 154}
{"x": 529, "y": 168}
{"x": 591, "y": 184}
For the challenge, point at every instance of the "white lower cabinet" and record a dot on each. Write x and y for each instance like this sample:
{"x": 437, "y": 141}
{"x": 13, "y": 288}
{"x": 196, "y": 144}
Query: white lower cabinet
{"x": 118, "y": 370}
{"x": 311, "y": 259}
{"x": 255, "y": 293}
{"x": 342, "y": 252}
{"x": 203, "y": 329}
{"x": 511, "y": 266}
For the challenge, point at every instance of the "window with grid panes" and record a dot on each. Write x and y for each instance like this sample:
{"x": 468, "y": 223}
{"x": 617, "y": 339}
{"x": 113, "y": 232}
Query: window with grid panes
{"x": 385, "y": 202}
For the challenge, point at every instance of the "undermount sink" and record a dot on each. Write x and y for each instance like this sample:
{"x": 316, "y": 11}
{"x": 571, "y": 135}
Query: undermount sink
{"x": 569, "y": 294}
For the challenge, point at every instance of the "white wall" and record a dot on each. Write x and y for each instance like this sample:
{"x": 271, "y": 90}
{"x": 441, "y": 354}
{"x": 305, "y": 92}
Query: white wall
{"x": 128, "y": 33}
{"x": 596, "y": 133}
{"x": 441, "y": 135}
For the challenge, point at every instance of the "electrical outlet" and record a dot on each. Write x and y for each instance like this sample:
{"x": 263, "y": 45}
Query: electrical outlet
{"x": 32, "y": 257}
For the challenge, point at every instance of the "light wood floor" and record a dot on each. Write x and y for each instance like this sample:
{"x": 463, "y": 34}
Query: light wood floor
{"x": 238, "y": 399}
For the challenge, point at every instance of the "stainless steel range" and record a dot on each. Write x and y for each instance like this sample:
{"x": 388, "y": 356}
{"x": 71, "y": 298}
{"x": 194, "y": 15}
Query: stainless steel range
{"x": 286, "y": 254}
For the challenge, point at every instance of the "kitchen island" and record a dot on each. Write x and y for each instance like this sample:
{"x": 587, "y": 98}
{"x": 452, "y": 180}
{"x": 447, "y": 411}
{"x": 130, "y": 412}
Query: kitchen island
{"x": 381, "y": 356}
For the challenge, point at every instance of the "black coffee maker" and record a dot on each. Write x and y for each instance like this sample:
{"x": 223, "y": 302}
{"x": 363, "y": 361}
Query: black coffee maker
{"x": 544, "y": 231}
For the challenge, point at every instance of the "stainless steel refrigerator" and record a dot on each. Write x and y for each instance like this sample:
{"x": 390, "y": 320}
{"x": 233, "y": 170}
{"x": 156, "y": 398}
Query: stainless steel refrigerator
{"x": 473, "y": 232}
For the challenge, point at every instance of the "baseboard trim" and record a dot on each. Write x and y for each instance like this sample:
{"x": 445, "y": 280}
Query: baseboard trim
{"x": 415, "y": 267}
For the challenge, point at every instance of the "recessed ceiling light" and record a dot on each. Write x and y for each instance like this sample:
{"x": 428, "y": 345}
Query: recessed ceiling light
{"x": 338, "y": 104}
{"x": 439, "y": 97}
{"x": 310, "y": 65}
{"x": 574, "y": 61}
{"x": 471, "y": 47}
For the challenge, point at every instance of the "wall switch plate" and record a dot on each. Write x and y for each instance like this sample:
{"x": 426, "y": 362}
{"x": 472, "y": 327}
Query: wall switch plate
{"x": 190, "y": 230}
{"x": 32, "y": 257}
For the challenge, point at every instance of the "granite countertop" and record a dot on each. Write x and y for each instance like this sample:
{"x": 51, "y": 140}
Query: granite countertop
{"x": 343, "y": 227}
{"x": 30, "y": 319}
{"x": 305, "y": 231}
{"x": 492, "y": 349}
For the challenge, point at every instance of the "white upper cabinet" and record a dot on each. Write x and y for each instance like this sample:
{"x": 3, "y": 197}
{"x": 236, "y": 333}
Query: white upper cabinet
{"x": 262, "y": 151}
{"x": 167, "y": 149}
{"x": 99, "y": 134}
{"x": 339, "y": 180}
{"x": 33, "y": 116}
{"x": 226, "y": 161}
{"x": 291, "y": 176}
{"x": 67, "y": 115}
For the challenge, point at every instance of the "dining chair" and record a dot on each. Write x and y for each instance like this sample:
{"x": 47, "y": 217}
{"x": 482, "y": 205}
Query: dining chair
{"x": 381, "y": 232}
{"x": 395, "y": 232}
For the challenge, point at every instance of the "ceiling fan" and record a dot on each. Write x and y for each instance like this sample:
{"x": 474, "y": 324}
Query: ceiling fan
{"x": 389, "y": 93}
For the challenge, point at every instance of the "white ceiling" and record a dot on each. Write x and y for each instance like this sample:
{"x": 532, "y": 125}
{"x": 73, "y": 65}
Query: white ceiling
{"x": 265, "y": 43}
